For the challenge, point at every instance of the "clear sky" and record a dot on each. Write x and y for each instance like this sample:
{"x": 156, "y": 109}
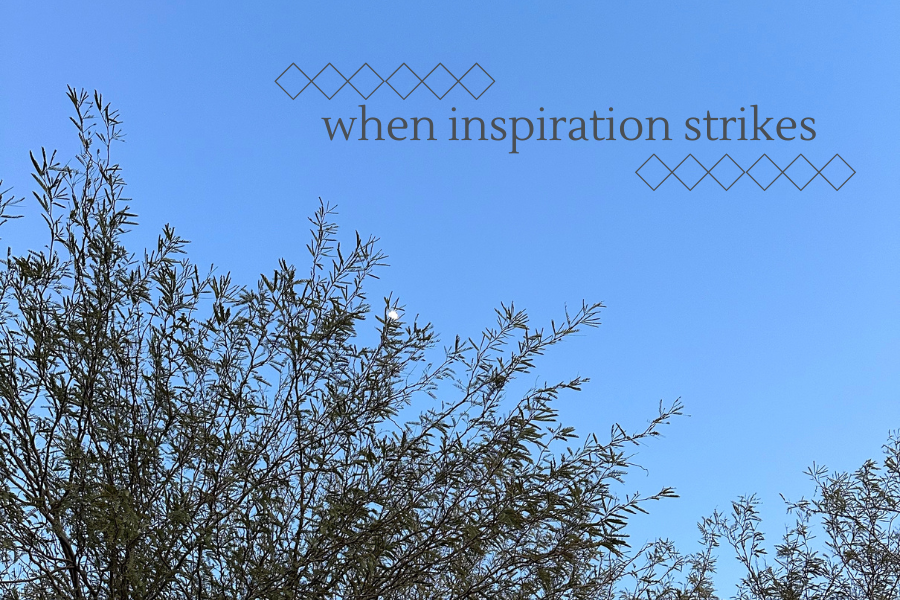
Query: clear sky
{"x": 772, "y": 314}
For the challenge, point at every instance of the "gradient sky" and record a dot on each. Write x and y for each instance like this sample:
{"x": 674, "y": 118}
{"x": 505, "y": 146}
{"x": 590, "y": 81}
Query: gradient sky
{"x": 772, "y": 314}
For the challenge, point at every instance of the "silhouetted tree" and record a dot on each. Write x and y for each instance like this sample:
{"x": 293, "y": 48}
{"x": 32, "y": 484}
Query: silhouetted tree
{"x": 844, "y": 544}
{"x": 166, "y": 433}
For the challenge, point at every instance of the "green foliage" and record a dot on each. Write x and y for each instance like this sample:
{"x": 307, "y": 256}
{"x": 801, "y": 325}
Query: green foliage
{"x": 166, "y": 433}
{"x": 854, "y": 513}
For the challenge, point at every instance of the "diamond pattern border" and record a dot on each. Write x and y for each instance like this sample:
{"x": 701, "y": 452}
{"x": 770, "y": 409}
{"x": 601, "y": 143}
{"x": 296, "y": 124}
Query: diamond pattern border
{"x": 459, "y": 81}
{"x": 746, "y": 172}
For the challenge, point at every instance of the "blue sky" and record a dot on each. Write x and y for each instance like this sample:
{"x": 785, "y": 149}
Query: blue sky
{"x": 773, "y": 315}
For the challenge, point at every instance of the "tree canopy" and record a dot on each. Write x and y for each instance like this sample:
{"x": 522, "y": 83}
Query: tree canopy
{"x": 167, "y": 433}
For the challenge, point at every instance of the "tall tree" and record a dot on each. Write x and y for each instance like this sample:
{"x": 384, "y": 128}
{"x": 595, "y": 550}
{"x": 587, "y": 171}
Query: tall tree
{"x": 166, "y": 433}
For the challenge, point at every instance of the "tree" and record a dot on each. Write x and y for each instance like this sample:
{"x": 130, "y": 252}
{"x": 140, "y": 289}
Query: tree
{"x": 166, "y": 433}
{"x": 855, "y": 513}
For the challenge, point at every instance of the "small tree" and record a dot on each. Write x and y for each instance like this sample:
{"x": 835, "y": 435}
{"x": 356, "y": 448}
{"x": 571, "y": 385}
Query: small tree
{"x": 856, "y": 515}
{"x": 166, "y": 433}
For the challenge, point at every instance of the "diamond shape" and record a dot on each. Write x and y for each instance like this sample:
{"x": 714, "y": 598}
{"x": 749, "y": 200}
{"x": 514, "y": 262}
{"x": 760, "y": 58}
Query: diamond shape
{"x": 690, "y": 170}
{"x": 837, "y": 170}
{"x": 765, "y": 171}
{"x": 402, "y": 79}
{"x": 365, "y": 79}
{"x": 476, "y": 79}
{"x": 329, "y": 81}
{"x": 440, "y": 78}
{"x": 724, "y": 171}
{"x": 800, "y": 171}
{"x": 293, "y": 81}
{"x": 654, "y": 170}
